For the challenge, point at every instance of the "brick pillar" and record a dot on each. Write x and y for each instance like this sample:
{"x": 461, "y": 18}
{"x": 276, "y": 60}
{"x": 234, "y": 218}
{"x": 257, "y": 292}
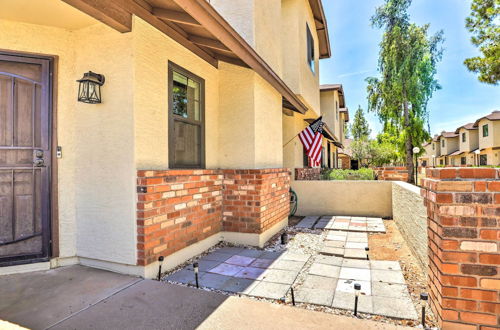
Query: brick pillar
{"x": 255, "y": 200}
{"x": 463, "y": 209}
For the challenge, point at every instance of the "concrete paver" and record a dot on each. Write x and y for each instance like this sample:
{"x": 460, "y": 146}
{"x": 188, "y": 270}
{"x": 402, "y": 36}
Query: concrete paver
{"x": 393, "y": 307}
{"x": 270, "y": 290}
{"x": 387, "y": 276}
{"x": 314, "y": 296}
{"x": 324, "y": 270}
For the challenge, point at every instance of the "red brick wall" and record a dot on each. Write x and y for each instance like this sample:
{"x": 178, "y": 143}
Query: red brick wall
{"x": 308, "y": 173}
{"x": 463, "y": 207}
{"x": 255, "y": 200}
{"x": 392, "y": 173}
{"x": 177, "y": 208}
{"x": 346, "y": 163}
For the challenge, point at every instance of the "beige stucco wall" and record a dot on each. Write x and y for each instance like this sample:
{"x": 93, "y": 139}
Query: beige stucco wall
{"x": 356, "y": 198}
{"x": 96, "y": 173}
{"x": 293, "y": 151}
{"x": 152, "y": 51}
{"x": 259, "y": 23}
{"x": 296, "y": 72}
{"x": 250, "y": 128}
{"x": 410, "y": 215}
{"x": 55, "y": 41}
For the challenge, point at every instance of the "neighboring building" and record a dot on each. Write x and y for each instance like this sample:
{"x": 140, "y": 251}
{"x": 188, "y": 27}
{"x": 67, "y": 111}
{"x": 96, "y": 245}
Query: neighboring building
{"x": 426, "y": 158}
{"x": 473, "y": 144}
{"x": 345, "y": 156}
{"x": 335, "y": 115}
{"x": 469, "y": 143}
{"x": 448, "y": 142}
{"x": 489, "y": 138}
{"x": 198, "y": 100}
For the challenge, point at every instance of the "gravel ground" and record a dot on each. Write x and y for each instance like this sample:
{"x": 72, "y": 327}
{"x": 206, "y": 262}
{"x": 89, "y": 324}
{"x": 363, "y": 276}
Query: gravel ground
{"x": 307, "y": 241}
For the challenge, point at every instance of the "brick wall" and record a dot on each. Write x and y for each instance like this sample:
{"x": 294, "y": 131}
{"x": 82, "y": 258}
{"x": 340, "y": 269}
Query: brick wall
{"x": 463, "y": 209}
{"x": 178, "y": 208}
{"x": 255, "y": 200}
{"x": 346, "y": 163}
{"x": 392, "y": 173}
{"x": 308, "y": 173}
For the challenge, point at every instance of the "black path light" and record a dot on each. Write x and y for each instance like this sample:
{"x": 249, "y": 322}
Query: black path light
{"x": 367, "y": 249}
{"x": 424, "y": 297}
{"x": 89, "y": 89}
{"x": 160, "y": 260}
{"x": 196, "y": 270}
{"x": 357, "y": 291}
{"x": 284, "y": 238}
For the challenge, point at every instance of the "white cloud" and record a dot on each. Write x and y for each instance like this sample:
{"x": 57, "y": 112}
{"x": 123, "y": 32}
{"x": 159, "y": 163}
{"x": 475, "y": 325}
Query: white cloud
{"x": 350, "y": 74}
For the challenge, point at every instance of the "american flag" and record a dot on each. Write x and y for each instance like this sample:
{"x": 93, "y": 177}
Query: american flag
{"x": 312, "y": 141}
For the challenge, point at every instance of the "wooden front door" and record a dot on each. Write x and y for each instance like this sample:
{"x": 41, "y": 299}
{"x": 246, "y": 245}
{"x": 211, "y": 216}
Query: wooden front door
{"x": 25, "y": 159}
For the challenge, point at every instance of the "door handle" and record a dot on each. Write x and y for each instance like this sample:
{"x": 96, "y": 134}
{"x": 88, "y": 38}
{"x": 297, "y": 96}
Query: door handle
{"x": 39, "y": 162}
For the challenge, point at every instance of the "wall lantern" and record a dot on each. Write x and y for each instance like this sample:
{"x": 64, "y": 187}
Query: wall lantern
{"x": 89, "y": 90}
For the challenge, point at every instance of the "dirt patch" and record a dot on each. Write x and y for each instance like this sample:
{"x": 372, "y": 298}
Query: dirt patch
{"x": 392, "y": 246}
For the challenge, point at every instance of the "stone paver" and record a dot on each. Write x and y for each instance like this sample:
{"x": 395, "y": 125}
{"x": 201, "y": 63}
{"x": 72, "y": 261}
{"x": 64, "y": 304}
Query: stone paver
{"x": 227, "y": 269}
{"x": 355, "y": 274}
{"x": 279, "y": 276}
{"x": 287, "y": 265}
{"x": 387, "y": 265}
{"x": 239, "y": 260}
{"x": 250, "y": 273}
{"x": 270, "y": 290}
{"x": 324, "y": 270}
{"x": 329, "y": 260}
{"x": 345, "y": 300}
{"x": 387, "y": 276}
{"x": 315, "y": 296}
{"x": 347, "y": 285}
{"x": 393, "y": 307}
{"x": 351, "y": 224}
{"x": 308, "y": 222}
{"x": 355, "y": 253}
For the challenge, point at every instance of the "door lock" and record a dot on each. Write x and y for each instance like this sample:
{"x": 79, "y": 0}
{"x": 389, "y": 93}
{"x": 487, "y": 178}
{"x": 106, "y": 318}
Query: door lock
{"x": 38, "y": 162}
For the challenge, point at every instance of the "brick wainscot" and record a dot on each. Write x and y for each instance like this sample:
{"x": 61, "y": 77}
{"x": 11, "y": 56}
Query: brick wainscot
{"x": 181, "y": 213}
{"x": 463, "y": 209}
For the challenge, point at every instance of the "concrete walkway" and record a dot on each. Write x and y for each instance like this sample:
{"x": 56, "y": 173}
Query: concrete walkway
{"x": 78, "y": 297}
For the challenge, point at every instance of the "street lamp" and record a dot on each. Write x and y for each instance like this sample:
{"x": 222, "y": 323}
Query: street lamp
{"x": 477, "y": 152}
{"x": 416, "y": 150}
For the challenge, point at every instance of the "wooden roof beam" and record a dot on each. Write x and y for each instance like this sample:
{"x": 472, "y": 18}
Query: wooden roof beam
{"x": 174, "y": 16}
{"x": 210, "y": 43}
{"x": 108, "y": 12}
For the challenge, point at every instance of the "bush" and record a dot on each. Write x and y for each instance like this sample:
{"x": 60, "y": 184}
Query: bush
{"x": 361, "y": 174}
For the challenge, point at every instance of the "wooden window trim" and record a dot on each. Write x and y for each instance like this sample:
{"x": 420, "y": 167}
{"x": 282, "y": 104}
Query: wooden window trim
{"x": 486, "y": 130}
{"x": 171, "y": 136}
{"x": 310, "y": 50}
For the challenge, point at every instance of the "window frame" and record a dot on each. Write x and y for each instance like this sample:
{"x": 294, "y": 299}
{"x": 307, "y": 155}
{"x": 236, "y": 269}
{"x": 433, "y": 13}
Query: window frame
{"x": 172, "y": 117}
{"x": 442, "y": 143}
{"x": 487, "y": 130}
{"x": 310, "y": 54}
{"x": 463, "y": 160}
{"x": 464, "y": 138}
{"x": 481, "y": 157}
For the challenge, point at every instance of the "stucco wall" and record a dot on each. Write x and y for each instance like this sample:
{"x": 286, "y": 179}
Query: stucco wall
{"x": 293, "y": 151}
{"x": 55, "y": 41}
{"x": 357, "y": 198}
{"x": 410, "y": 215}
{"x": 152, "y": 51}
{"x": 296, "y": 72}
{"x": 96, "y": 173}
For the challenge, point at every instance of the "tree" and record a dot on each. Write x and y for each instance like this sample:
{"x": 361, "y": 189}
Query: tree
{"x": 483, "y": 23}
{"x": 407, "y": 67}
{"x": 360, "y": 128}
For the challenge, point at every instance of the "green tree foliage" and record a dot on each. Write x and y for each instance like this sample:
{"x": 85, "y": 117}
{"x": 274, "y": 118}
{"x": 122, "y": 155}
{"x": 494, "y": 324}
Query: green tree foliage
{"x": 407, "y": 66}
{"x": 483, "y": 23}
{"x": 360, "y": 128}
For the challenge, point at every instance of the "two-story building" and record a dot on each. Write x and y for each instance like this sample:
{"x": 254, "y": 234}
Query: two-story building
{"x": 488, "y": 132}
{"x": 135, "y": 129}
{"x": 468, "y": 144}
{"x": 448, "y": 148}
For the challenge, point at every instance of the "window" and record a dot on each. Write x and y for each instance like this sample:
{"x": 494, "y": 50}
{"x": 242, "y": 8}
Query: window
{"x": 463, "y": 161}
{"x": 483, "y": 159}
{"x": 186, "y": 119}
{"x": 441, "y": 162}
{"x": 433, "y": 146}
{"x": 424, "y": 163}
{"x": 463, "y": 137}
{"x": 485, "y": 130}
{"x": 310, "y": 48}
{"x": 442, "y": 143}
{"x": 337, "y": 109}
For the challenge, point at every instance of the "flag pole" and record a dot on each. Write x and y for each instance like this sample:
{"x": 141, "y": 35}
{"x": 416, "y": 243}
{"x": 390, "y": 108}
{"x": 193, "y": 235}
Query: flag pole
{"x": 291, "y": 139}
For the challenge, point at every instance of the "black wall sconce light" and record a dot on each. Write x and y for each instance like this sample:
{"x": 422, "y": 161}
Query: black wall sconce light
{"x": 89, "y": 90}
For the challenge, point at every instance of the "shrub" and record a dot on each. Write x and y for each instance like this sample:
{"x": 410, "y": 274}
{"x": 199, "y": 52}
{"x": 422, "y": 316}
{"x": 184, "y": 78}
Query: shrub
{"x": 338, "y": 174}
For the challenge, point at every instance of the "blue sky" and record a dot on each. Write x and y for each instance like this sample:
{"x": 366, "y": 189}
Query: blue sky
{"x": 354, "y": 43}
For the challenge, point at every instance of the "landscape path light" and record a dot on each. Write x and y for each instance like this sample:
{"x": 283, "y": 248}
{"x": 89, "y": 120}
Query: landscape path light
{"x": 357, "y": 291}
{"x": 424, "y": 297}
{"x": 367, "y": 249}
{"x": 196, "y": 271}
{"x": 160, "y": 260}
{"x": 477, "y": 152}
